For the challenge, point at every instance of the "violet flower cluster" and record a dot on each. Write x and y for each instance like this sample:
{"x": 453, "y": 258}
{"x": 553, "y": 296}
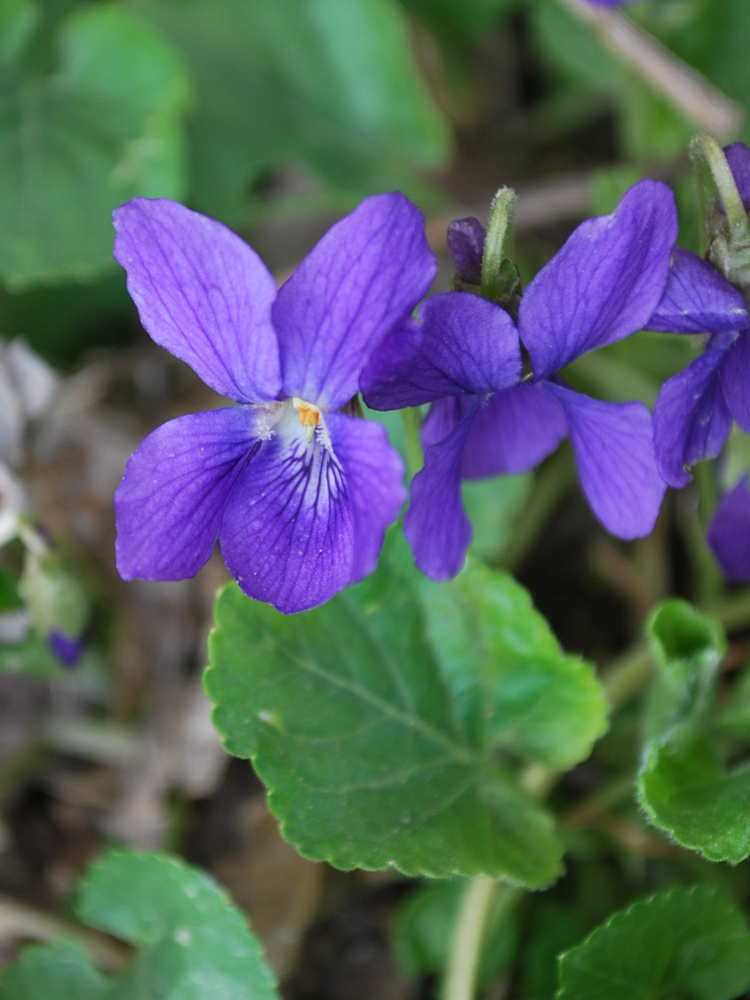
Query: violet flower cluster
{"x": 463, "y": 355}
{"x": 298, "y": 490}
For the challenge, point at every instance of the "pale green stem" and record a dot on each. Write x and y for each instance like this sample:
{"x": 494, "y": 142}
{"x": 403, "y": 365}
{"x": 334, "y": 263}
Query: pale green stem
{"x": 412, "y": 421}
{"x": 734, "y": 611}
{"x": 469, "y": 933}
{"x": 499, "y": 233}
{"x": 626, "y": 677}
{"x": 539, "y": 781}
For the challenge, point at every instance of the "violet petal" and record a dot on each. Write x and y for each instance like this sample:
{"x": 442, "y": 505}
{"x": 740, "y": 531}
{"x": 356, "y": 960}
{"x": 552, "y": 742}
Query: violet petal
{"x": 513, "y": 431}
{"x": 698, "y": 299}
{"x": 461, "y": 344}
{"x": 738, "y": 157}
{"x": 170, "y": 502}
{"x": 691, "y": 419}
{"x": 305, "y": 519}
{"x": 729, "y": 533}
{"x": 364, "y": 276}
{"x": 444, "y": 415}
{"x": 735, "y": 381}
{"x": 203, "y": 294}
{"x": 604, "y": 284}
{"x": 614, "y": 449}
{"x": 436, "y": 525}
{"x": 466, "y": 243}
{"x": 375, "y": 483}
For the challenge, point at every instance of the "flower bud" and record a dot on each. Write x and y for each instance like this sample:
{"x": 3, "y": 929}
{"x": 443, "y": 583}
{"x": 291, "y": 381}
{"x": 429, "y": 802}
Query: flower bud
{"x": 56, "y": 601}
{"x": 466, "y": 244}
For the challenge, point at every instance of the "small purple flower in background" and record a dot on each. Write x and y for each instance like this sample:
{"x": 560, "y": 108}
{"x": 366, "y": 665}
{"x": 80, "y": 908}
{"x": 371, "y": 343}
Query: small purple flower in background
{"x": 694, "y": 411}
{"x": 463, "y": 354}
{"x": 298, "y": 494}
{"x": 67, "y": 649}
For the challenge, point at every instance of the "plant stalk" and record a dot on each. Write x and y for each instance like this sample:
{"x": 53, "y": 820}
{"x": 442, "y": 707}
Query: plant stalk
{"x": 468, "y": 938}
{"x": 412, "y": 421}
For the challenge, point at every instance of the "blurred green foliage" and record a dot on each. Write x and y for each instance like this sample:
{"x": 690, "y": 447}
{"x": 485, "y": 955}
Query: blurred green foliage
{"x": 88, "y": 119}
{"x": 210, "y": 101}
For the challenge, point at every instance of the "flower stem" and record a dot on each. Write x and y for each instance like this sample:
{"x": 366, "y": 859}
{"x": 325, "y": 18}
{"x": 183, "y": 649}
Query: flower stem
{"x": 468, "y": 938}
{"x": 412, "y": 421}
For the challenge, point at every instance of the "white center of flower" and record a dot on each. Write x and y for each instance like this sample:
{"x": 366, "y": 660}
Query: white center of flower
{"x": 309, "y": 415}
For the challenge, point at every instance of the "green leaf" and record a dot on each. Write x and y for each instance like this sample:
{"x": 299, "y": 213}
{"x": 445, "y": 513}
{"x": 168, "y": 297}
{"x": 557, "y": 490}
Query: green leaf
{"x": 688, "y": 648}
{"x": 78, "y": 141}
{"x": 192, "y": 943}
{"x": 689, "y": 943}
{"x": 424, "y": 930}
{"x": 331, "y": 84}
{"x": 348, "y": 720}
{"x": 512, "y": 683}
{"x": 686, "y": 789}
{"x": 56, "y": 972}
{"x": 684, "y": 784}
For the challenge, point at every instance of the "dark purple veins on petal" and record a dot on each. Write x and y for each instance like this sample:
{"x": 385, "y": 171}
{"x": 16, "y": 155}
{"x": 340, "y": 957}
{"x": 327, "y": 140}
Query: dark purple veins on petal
{"x": 305, "y": 519}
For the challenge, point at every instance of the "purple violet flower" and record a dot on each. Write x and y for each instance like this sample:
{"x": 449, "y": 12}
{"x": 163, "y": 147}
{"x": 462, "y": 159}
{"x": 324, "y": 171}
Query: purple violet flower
{"x": 729, "y": 533}
{"x": 67, "y": 649}
{"x": 298, "y": 493}
{"x": 463, "y": 355}
{"x": 694, "y": 410}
